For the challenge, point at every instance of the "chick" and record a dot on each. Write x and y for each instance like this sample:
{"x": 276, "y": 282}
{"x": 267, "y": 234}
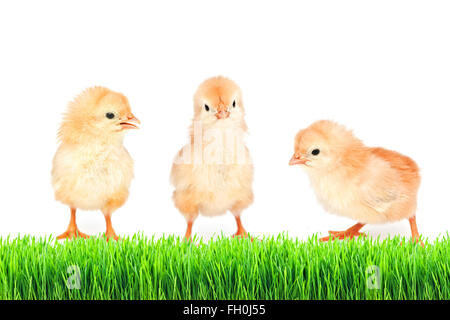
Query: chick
{"x": 213, "y": 174}
{"x": 369, "y": 185}
{"x": 92, "y": 169}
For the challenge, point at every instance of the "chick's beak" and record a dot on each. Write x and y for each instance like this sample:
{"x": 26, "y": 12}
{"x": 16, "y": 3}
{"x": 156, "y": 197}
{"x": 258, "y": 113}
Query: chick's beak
{"x": 130, "y": 122}
{"x": 222, "y": 114}
{"x": 297, "y": 159}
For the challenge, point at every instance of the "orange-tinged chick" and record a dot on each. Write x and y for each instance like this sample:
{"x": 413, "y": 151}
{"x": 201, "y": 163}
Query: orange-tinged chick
{"x": 92, "y": 170}
{"x": 213, "y": 174}
{"x": 369, "y": 185}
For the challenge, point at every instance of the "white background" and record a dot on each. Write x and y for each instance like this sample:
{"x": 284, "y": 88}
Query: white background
{"x": 381, "y": 67}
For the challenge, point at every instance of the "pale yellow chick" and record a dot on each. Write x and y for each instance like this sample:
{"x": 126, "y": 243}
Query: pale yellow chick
{"x": 213, "y": 174}
{"x": 92, "y": 170}
{"x": 369, "y": 185}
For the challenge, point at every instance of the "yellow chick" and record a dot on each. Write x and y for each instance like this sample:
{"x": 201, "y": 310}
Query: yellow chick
{"x": 213, "y": 174}
{"x": 369, "y": 185}
{"x": 92, "y": 169}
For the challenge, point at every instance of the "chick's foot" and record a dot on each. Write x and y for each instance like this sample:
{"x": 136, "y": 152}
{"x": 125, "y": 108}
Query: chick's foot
{"x": 71, "y": 234}
{"x": 241, "y": 233}
{"x": 349, "y": 233}
{"x": 110, "y": 234}
{"x": 342, "y": 235}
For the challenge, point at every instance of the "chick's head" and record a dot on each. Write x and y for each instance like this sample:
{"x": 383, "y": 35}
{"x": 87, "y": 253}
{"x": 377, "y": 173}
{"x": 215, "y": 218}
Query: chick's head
{"x": 218, "y": 100}
{"x": 97, "y": 113}
{"x": 324, "y": 145}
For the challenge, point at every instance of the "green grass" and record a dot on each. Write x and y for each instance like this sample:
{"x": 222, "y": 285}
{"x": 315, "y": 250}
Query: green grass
{"x": 224, "y": 268}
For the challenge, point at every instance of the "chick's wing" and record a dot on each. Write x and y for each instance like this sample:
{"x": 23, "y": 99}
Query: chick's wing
{"x": 380, "y": 188}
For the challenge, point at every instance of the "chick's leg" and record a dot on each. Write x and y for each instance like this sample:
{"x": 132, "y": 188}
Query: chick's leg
{"x": 241, "y": 232}
{"x": 188, "y": 234}
{"x": 240, "y": 228}
{"x": 237, "y": 209}
{"x": 190, "y": 218}
{"x": 187, "y": 202}
{"x": 72, "y": 230}
{"x": 349, "y": 233}
{"x": 415, "y": 231}
{"x": 110, "y": 233}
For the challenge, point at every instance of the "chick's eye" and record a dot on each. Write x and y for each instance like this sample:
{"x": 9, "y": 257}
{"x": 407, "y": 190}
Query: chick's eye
{"x": 315, "y": 152}
{"x": 110, "y": 115}
{"x": 234, "y": 104}
{"x": 206, "y": 107}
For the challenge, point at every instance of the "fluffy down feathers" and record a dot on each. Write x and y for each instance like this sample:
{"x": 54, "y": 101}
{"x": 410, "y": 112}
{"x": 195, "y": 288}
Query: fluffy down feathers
{"x": 91, "y": 168}
{"x": 369, "y": 185}
{"x": 213, "y": 174}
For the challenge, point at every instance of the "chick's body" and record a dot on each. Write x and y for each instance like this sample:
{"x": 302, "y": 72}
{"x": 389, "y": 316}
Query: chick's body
{"x": 213, "y": 174}
{"x": 92, "y": 170}
{"x": 92, "y": 176}
{"x": 212, "y": 189}
{"x": 369, "y": 185}
{"x": 382, "y": 189}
